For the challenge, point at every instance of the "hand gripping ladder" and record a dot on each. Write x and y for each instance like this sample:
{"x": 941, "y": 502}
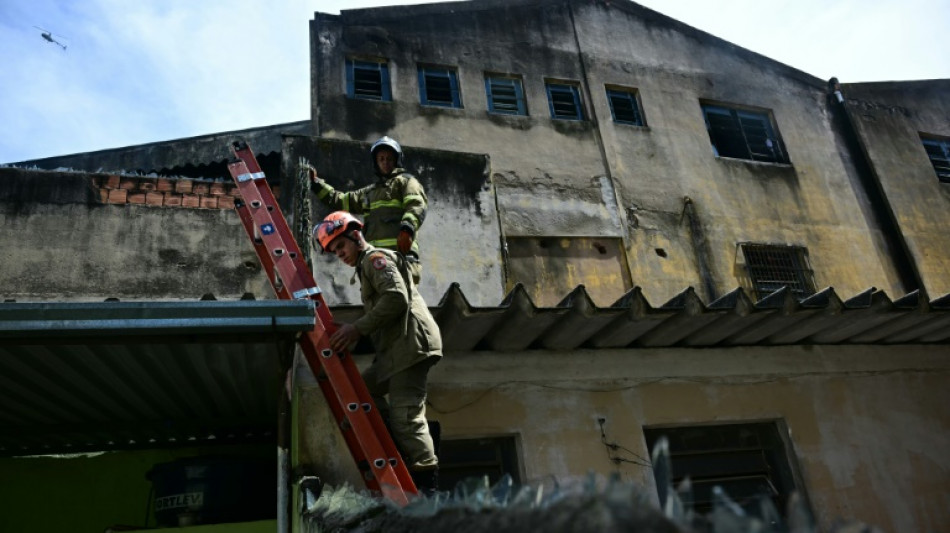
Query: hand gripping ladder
{"x": 366, "y": 435}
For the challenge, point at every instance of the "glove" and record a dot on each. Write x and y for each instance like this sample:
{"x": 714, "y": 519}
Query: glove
{"x": 304, "y": 166}
{"x": 404, "y": 239}
{"x": 314, "y": 179}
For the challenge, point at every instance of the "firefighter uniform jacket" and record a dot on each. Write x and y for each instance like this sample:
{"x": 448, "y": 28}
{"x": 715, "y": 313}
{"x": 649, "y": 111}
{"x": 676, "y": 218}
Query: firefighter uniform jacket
{"x": 396, "y": 317}
{"x": 392, "y": 202}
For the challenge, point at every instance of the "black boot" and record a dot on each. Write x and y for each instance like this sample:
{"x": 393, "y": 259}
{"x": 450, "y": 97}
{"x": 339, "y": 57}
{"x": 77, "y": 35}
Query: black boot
{"x": 427, "y": 481}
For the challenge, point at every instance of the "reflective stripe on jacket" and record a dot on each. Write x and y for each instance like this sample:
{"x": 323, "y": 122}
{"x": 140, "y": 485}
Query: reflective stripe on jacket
{"x": 385, "y": 205}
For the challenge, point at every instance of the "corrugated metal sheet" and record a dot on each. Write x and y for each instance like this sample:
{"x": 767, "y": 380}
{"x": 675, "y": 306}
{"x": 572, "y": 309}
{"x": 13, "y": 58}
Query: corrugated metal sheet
{"x": 94, "y": 376}
{"x": 685, "y": 321}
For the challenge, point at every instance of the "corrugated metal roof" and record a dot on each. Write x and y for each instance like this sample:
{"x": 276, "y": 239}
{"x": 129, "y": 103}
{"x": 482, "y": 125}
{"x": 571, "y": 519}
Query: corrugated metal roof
{"x": 870, "y": 317}
{"x": 94, "y": 376}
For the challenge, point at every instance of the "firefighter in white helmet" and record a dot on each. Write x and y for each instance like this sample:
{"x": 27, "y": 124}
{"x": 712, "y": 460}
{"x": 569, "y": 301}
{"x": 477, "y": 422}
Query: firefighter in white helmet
{"x": 404, "y": 334}
{"x": 394, "y": 207}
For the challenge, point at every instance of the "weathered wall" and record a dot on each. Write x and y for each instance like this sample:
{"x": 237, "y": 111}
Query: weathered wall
{"x": 63, "y": 243}
{"x": 889, "y": 118}
{"x": 459, "y": 240}
{"x": 595, "y": 178}
{"x": 866, "y": 435}
{"x": 808, "y": 202}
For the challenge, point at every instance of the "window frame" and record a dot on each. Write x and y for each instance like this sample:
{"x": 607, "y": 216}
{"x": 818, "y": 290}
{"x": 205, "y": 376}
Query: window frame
{"x": 794, "y": 265}
{"x": 743, "y": 141}
{"x": 564, "y": 88}
{"x": 354, "y": 66}
{"x": 941, "y": 161}
{"x": 437, "y": 72}
{"x": 763, "y": 444}
{"x": 492, "y": 456}
{"x": 520, "y": 105}
{"x": 633, "y": 97}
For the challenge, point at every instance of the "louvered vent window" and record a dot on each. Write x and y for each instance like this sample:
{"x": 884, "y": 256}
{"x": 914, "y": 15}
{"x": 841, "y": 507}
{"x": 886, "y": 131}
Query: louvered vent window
{"x": 625, "y": 107}
{"x": 439, "y": 86}
{"x": 368, "y": 80}
{"x": 938, "y": 150}
{"x": 564, "y": 101}
{"x": 743, "y": 134}
{"x": 745, "y": 460}
{"x": 505, "y": 95}
{"x": 772, "y": 267}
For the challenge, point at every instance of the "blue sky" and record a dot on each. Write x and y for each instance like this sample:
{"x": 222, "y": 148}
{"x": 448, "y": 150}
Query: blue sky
{"x": 154, "y": 70}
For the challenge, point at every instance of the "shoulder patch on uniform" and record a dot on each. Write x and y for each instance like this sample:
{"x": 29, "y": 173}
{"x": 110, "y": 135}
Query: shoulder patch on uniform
{"x": 379, "y": 261}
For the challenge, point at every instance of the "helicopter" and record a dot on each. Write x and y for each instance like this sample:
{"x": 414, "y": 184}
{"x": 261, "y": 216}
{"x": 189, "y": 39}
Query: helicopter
{"x": 48, "y": 35}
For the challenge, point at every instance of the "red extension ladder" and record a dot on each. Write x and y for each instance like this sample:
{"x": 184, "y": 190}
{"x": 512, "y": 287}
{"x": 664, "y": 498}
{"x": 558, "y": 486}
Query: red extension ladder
{"x": 366, "y": 435}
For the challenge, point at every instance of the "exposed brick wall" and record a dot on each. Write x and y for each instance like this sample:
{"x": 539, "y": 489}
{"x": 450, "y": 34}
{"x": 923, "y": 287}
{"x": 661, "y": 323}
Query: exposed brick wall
{"x": 167, "y": 192}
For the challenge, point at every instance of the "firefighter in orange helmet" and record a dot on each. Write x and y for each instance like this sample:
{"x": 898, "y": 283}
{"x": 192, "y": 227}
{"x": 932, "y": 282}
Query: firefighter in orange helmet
{"x": 404, "y": 334}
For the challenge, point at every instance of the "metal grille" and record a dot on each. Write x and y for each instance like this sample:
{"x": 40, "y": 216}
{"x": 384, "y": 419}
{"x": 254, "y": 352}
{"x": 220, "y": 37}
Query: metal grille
{"x": 772, "y": 267}
{"x": 747, "y": 461}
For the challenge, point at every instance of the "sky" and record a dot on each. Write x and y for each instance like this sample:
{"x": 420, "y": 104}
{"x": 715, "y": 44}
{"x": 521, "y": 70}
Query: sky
{"x": 142, "y": 71}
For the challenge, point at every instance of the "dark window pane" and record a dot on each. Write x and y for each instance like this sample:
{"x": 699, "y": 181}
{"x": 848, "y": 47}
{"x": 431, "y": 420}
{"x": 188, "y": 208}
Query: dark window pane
{"x": 565, "y": 101}
{"x": 939, "y": 153}
{"x": 743, "y": 134}
{"x": 624, "y": 107}
{"x": 367, "y": 80}
{"x": 745, "y": 460}
{"x": 438, "y": 86}
{"x": 505, "y": 96}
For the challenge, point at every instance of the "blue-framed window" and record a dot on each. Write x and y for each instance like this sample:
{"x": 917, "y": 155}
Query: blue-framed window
{"x": 743, "y": 134}
{"x": 564, "y": 101}
{"x": 439, "y": 86}
{"x": 368, "y": 80}
{"x": 505, "y": 95}
{"x": 625, "y": 106}
{"x": 938, "y": 150}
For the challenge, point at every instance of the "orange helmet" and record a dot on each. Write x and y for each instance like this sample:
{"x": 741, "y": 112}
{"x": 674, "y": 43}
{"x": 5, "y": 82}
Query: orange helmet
{"x": 334, "y": 225}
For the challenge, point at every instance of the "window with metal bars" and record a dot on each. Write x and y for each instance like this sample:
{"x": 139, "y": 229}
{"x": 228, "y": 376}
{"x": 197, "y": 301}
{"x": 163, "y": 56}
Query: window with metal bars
{"x": 743, "y": 134}
{"x": 746, "y": 460}
{"x": 439, "y": 86}
{"x": 938, "y": 150}
{"x": 564, "y": 101}
{"x": 772, "y": 267}
{"x": 368, "y": 80}
{"x": 505, "y": 95}
{"x": 625, "y": 106}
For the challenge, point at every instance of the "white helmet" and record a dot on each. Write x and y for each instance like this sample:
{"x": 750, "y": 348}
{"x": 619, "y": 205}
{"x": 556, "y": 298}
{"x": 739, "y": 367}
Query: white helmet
{"x": 390, "y": 143}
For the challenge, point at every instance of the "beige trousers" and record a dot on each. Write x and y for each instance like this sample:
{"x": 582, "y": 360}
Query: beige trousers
{"x": 405, "y": 412}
